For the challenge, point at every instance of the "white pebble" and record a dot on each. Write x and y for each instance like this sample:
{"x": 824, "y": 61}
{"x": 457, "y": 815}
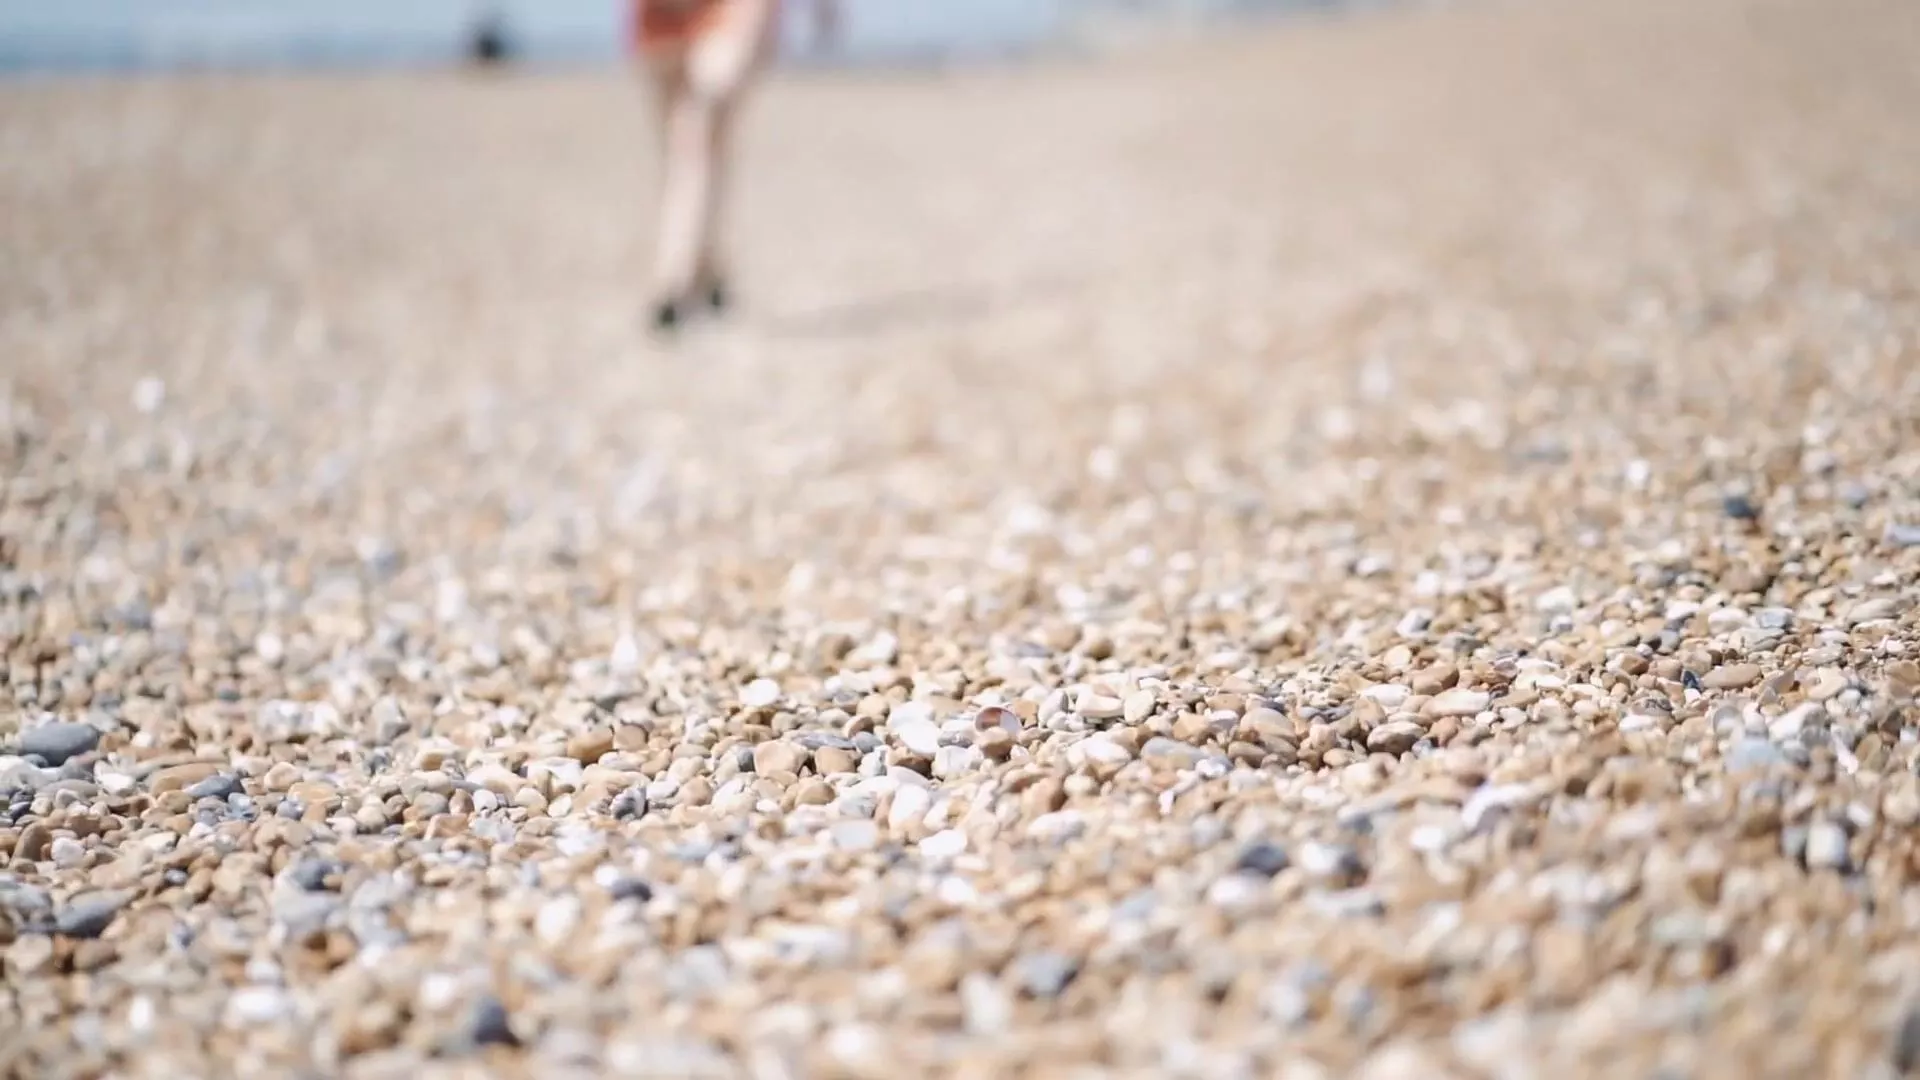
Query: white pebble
{"x": 944, "y": 844}
{"x": 760, "y": 693}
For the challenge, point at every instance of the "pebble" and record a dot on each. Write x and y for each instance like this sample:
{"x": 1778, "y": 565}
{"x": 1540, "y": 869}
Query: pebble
{"x": 909, "y": 807}
{"x": 1043, "y": 974}
{"x": 760, "y": 693}
{"x": 1262, "y": 858}
{"x": 58, "y": 742}
{"x": 945, "y": 844}
{"x": 857, "y": 835}
{"x": 1458, "y": 703}
{"x": 89, "y": 916}
{"x": 218, "y": 786}
{"x": 778, "y": 756}
{"x": 1872, "y": 610}
{"x": 1826, "y": 847}
{"x": 1749, "y": 754}
{"x": 1733, "y": 677}
{"x": 488, "y": 1024}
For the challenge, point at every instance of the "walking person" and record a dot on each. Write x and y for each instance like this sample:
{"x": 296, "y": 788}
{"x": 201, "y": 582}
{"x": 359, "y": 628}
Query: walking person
{"x": 702, "y": 56}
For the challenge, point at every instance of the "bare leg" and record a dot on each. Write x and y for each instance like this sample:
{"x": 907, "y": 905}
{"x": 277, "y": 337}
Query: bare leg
{"x": 722, "y": 68}
{"x": 686, "y": 197}
{"x": 699, "y": 93}
{"x": 710, "y": 270}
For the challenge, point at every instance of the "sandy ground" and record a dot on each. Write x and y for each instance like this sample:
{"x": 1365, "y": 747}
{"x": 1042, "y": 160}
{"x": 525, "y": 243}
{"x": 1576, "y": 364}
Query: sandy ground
{"x": 1383, "y": 547}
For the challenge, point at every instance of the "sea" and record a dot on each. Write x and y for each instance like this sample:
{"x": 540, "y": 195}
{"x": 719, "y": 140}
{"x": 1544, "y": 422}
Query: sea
{"x": 77, "y": 36}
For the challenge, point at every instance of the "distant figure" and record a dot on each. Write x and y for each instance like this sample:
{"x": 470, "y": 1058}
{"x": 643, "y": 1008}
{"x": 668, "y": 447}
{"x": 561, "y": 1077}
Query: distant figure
{"x": 702, "y": 55}
{"x": 487, "y": 45}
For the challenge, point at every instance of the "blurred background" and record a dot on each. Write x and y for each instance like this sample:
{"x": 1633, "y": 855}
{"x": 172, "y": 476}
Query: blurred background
{"x": 42, "y": 36}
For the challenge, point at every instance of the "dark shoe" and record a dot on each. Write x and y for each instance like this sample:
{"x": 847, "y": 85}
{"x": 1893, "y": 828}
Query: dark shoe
{"x": 666, "y": 315}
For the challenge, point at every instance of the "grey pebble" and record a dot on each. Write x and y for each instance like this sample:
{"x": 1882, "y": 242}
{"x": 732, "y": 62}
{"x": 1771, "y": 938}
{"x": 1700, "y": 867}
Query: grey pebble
{"x": 818, "y": 740}
{"x": 311, "y": 874}
{"x": 489, "y": 1025}
{"x": 629, "y": 804}
{"x": 217, "y": 786}
{"x": 1161, "y": 748}
{"x": 23, "y": 776}
{"x": 303, "y": 914}
{"x": 1262, "y": 858}
{"x": 1793, "y": 842}
{"x": 1906, "y": 1042}
{"x": 1207, "y": 831}
{"x": 31, "y": 902}
{"x": 1044, "y": 974}
{"x": 1902, "y": 536}
{"x": 57, "y": 742}
{"x": 1751, "y": 753}
{"x": 90, "y": 915}
{"x": 630, "y": 888}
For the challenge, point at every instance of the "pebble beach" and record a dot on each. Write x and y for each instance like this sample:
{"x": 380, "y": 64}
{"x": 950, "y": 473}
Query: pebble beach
{"x": 1381, "y": 546}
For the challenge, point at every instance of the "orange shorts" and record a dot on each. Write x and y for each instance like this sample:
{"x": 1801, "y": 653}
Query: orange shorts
{"x": 666, "y": 23}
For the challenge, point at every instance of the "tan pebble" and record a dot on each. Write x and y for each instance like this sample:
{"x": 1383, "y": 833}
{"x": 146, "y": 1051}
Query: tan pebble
{"x": 1192, "y": 728}
{"x": 175, "y": 777}
{"x": 1045, "y": 796}
{"x": 496, "y": 778}
{"x": 590, "y": 746}
{"x": 1732, "y": 677}
{"x": 281, "y": 777}
{"x": 94, "y": 954}
{"x": 31, "y": 954}
{"x": 1434, "y": 679}
{"x": 1395, "y": 737}
{"x": 812, "y": 791}
{"x": 834, "y": 760}
{"x": 1098, "y": 706}
{"x": 778, "y": 756}
{"x": 697, "y": 791}
{"x": 1826, "y": 685}
{"x": 1872, "y": 610}
{"x": 33, "y": 843}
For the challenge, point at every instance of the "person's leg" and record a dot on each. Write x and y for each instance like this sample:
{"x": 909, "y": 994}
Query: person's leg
{"x": 723, "y": 66}
{"x": 685, "y": 191}
{"x": 710, "y": 269}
